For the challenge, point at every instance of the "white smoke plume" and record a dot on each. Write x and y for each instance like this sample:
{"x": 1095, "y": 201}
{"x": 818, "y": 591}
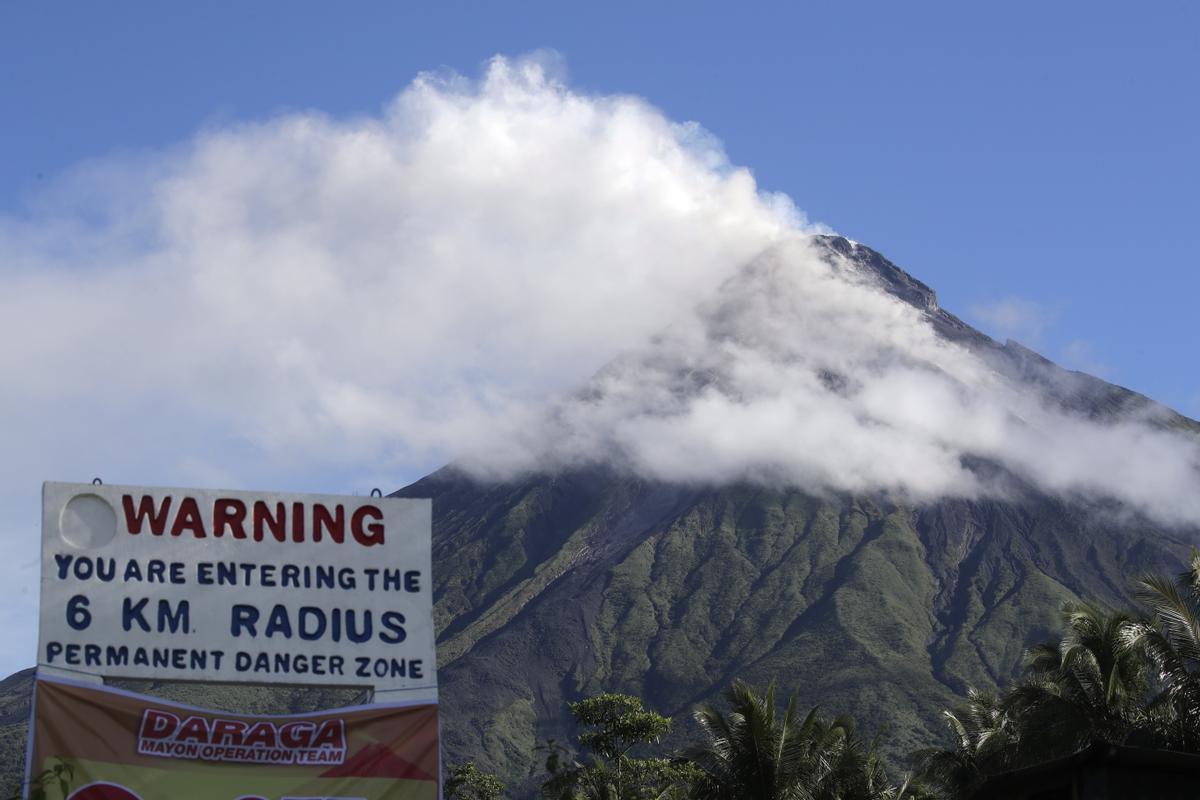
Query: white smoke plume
{"x": 336, "y": 290}
{"x": 802, "y": 372}
{"x": 310, "y": 302}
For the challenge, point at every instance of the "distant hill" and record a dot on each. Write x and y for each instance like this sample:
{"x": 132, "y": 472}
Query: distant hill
{"x": 558, "y": 586}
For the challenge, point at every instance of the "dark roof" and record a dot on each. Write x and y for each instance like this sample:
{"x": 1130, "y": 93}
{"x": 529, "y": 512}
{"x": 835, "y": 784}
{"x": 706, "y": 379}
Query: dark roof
{"x": 1098, "y": 772}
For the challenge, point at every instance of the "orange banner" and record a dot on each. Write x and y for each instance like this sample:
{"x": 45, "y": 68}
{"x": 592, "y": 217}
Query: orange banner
{"x": 122, "y": 746}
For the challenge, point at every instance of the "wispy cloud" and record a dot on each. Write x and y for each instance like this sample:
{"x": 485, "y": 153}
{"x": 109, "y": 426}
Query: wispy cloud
{"x": 1080, "y": 354}
{"x": 375, "y": 288}
{"x": 800, "y": 371}
{"x": 1014, "y": 318}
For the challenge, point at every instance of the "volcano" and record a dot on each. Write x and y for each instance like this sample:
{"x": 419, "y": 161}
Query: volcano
{"x": 593, "y": 579}
{"x": 600, "y": 576}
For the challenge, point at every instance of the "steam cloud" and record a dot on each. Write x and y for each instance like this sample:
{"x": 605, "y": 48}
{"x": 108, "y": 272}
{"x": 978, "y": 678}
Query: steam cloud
{"x": 801, "y": 371}
{"x": 295, "y": 299}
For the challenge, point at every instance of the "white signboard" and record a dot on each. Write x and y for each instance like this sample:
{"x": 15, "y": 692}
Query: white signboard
{"x": 190, "y": 584}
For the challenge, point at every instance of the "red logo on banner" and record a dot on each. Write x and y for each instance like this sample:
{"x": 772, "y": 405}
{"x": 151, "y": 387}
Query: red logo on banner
{"x": 103, "y": 791}
{"x": 264, "y": 742}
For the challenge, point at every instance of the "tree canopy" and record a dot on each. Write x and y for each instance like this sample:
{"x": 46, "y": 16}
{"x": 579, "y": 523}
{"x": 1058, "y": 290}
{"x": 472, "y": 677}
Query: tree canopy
{"x": 1121, "y": 677}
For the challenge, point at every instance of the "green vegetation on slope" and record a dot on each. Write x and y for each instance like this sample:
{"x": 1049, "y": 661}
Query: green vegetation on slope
{"x": 669, "y": 593}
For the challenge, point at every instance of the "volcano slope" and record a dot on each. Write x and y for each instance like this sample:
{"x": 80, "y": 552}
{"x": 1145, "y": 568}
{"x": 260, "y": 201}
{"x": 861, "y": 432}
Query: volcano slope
{"x": 557, "y": 588}
{"x": 588, "y": 578}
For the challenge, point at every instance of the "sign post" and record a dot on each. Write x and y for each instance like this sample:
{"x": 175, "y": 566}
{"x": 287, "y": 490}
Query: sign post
{"x": 232, "y": 586}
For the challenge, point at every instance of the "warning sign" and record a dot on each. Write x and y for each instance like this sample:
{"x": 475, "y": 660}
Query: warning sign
{"x": 203, "y": 585}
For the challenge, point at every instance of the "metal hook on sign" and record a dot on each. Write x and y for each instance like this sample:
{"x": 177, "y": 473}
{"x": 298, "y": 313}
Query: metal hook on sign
{"x": 97, "y": 482}
{"x": 376, "y": 492}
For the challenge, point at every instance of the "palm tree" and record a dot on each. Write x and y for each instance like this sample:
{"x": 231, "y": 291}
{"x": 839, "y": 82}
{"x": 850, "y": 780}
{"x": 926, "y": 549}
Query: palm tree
{"x": 1171, "y": 641}
{"x": 753, "y": 755}
{"x": 1114, "y": 677}
{"x": 859, "y": 772}
{"x": 985, "y": 741}
{"x": 1087, "y": 687}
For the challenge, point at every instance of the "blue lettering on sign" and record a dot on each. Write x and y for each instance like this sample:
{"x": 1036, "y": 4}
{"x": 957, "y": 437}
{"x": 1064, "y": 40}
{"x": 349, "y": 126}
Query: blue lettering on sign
{"x": 132, "y": 612}
{"x": 317, "y": 619}
{"x": 78, "y": 615}
{"x": 161, "y": 572}
{"x": 168, "y": 620}
{"x": 288, "y": 663}
{"x": 243, "y": 617}
{"x": 84, "y": 568}
{"x": 173, "y": 621}
{"x": 101, "y": 655}
{"x": 394, "y": 580}
{"x": 279, "y": 623}
{"x": 387, "y": 667}
{"x": 394, "y": 622}
{"x": 311, "y": 623}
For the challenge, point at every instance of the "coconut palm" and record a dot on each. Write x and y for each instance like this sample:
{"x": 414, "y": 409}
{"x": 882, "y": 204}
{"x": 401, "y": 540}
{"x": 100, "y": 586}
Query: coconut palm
{"x": 1171, "y": 641}
{"x": 1114, "y": 677}
{"x": 858, "y": 770}
{"x": 985, "y": 741}
{"x": 1089, "y": 686}
{"x": 751, "y": 754}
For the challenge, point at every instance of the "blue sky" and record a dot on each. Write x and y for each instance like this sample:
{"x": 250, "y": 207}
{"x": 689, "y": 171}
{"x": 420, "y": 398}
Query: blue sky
{"x": 1035, "y": 164}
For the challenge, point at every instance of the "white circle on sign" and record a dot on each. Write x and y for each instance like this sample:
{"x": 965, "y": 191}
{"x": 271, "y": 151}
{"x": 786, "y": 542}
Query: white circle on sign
{"x": 87, "y": 522}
